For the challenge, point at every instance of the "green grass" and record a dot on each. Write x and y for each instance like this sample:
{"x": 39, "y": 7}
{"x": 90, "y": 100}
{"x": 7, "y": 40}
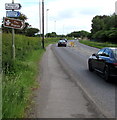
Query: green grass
{"x": 19, "y": 75}
{"x": 18, "y": 87}
{"x": 97, "y": 44}
{"x": 50, "y": 41}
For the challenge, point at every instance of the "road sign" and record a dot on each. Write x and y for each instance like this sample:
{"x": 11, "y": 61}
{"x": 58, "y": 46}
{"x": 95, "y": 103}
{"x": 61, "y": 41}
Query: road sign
{"x": 12, "y": 6}
{"x": 12, "y": 13}
{"x": 13, "y": 23}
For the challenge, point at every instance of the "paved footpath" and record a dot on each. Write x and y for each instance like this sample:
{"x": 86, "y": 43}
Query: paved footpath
{"x": 58, "y": 96}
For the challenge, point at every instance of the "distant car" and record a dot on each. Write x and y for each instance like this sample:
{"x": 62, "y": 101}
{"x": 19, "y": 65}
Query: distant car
{"x": 62, "y": 43}
{"x": 105, "y": 62}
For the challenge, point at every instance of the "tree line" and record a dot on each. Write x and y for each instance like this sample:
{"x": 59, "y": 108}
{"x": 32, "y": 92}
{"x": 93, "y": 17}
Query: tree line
{"x": 104, "y": 29}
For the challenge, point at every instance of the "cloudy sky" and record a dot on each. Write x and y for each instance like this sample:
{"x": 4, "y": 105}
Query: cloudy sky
{"x": 64, "y": 16}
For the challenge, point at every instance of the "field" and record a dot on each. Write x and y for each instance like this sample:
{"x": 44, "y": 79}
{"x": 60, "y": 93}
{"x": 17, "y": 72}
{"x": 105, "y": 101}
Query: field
{"x": 20, "y": 75}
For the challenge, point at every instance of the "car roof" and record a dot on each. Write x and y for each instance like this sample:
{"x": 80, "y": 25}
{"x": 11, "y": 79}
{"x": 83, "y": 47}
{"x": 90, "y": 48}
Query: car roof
{"x": 112, "y": 48}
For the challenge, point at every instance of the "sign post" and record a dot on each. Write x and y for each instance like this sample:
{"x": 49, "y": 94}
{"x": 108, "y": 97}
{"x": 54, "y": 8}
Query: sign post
{"x": 13, "y": 43}
{"x": 13, "y": 39}
{"x": 13, "y": 23}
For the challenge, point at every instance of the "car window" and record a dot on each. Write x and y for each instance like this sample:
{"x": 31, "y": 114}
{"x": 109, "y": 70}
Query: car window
{"x": 107, "y": 53}
{"x": 62, "y": 41}
{"x": 100, "y": 52}
{"x": 115, "y": 53}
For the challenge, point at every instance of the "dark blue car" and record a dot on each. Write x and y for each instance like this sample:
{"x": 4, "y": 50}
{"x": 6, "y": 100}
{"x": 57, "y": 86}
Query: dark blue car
{"x": 105, "y": 62}
{"x": 62, "y": 43}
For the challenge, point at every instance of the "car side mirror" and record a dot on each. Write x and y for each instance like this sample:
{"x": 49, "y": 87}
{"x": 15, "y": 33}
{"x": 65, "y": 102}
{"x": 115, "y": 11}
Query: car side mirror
{"x": 96, "y": 55}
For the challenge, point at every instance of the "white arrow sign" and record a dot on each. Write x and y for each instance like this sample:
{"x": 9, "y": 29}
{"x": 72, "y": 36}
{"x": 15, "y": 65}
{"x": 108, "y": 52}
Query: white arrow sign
{"x": 12, "y": 6}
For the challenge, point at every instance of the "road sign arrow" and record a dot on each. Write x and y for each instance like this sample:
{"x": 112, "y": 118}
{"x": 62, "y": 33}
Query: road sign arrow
{"x": 20, "y": 6}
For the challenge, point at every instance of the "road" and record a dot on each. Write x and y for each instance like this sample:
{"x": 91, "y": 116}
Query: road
{"x": 69, "y": 90}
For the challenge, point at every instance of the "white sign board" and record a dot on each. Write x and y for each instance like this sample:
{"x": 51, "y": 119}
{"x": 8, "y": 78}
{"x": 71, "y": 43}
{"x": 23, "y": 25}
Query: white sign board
{"x": 12, "y": 6}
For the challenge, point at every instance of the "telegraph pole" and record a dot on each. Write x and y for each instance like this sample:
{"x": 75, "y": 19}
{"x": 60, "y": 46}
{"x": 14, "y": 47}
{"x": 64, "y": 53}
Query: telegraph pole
{"x": 116, "y": 7}
{"x": 40, "y": 16}
{"x": 43, "y": 24}
{"x": 47, "y": 20}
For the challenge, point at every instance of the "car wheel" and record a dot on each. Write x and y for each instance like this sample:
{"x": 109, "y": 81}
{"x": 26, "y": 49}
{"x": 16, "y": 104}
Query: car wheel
{"x": 90, "y": 67}
{"x": 106, "y": 74}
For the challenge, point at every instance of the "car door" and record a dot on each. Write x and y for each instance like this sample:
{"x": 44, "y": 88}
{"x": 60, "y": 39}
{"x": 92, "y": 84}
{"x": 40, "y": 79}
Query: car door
{"x": 99, "y": 59}
{"x": 103, "y": 59}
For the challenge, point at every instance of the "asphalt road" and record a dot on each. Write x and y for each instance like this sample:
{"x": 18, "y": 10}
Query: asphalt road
{"x": 68, "y": 89}
{"x": 102, "y": 94}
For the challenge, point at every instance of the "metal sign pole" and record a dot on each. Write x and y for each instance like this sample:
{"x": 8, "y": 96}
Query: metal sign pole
{"x": 13, "y": 39}
{"x": 13, "y": 43}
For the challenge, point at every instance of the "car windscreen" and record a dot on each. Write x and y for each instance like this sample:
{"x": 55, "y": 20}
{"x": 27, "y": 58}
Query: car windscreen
{"x": 62, "y": 41}
{"x": 115, "y": 53}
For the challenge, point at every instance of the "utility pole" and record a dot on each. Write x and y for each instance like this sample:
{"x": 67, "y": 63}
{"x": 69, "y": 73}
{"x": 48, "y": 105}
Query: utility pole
{"x": 13, "y": 40}
{"x": 47, "y": 21}
{"x": 116, "y": 7}
{"x": 40, "y": 16}
{"x": 43, "y": 24}
{"x": 55, "y": 26}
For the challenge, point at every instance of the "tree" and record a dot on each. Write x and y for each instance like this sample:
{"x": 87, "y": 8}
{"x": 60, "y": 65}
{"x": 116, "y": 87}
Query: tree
{"x": 81, "y": 34}
{"x": 53, "y": 34}
{"x": 98, "y": 23}
{"x": 104, "y": 28}
{"x": 31, "y": 32}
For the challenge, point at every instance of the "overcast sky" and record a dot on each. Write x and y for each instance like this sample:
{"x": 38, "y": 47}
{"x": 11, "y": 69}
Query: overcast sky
{"x": 64, "y": 16}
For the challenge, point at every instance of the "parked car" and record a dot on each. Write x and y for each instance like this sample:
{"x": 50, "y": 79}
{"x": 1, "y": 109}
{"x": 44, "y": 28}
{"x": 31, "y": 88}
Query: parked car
{"x": 62, "y": 43}
{"x": 105, "y": 62}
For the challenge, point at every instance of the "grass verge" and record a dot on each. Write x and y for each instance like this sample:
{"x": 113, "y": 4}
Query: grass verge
{"x": 19, "y": 75}
{"x": 97, "y": 44}
{"x": 18, "y": 87}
